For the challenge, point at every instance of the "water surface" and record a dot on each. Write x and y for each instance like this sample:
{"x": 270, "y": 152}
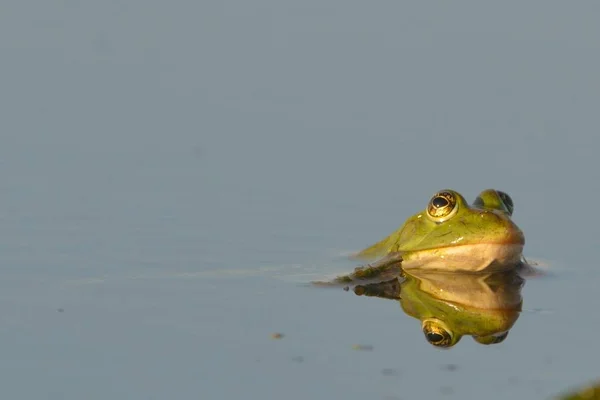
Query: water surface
{"x": 174, "y": 174}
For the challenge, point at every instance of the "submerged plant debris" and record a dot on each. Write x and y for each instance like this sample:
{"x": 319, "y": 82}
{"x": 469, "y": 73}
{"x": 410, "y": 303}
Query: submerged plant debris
{"x": 362, "y": 347}
{"x": 382, "y": 270}
{"x": 589, "y": 392}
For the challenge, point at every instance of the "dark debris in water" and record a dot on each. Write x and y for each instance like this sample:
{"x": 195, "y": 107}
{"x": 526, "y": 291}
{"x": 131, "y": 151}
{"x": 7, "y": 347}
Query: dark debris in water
{"x": 389, "y": 372}
{"x": 387, "y": 289}
{"x": 449, "y": 367}
{"x": 379, "y": 271}
{"x": 387, "y": 268}
{"x": 362, "y": 347}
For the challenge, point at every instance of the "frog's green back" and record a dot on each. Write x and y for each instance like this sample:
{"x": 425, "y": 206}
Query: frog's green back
{"x": 380, "y": 248}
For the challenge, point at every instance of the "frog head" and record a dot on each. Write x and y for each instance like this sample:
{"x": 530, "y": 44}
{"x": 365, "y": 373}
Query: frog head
{"x": 449, "y": 234}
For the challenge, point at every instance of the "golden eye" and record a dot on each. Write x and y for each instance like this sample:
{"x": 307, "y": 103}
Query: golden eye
{"x": 442, "y": 206}
{"x": 437, "y": 335}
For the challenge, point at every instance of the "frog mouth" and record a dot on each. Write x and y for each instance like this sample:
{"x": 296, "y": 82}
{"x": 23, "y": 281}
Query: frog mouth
{"x": 515, "y": 236}
{"x": 516, "y": 239}
{"x": 473, "y": 257}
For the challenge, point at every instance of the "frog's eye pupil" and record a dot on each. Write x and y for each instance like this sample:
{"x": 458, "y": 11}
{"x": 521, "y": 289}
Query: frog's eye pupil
{"x": 437, "y": 335}
{"x": 439, "y": 202}
{"x": 434, "y": 337}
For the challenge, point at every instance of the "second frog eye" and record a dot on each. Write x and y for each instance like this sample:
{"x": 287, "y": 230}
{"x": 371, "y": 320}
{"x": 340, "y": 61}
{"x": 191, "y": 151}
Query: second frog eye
{"x": 508, "y": 202}
{"x": 441, "y": 206}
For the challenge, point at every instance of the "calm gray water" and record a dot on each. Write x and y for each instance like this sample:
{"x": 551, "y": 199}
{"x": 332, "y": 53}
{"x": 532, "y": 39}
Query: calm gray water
{"x": 174, "y": 173}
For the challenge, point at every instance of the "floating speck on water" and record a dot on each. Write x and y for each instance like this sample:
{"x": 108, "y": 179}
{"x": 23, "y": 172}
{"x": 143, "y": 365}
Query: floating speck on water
{"x": 61, "y": 310}
{"x": 362, "y": 347}
{"x": 298, "y": 359}
{"x": 450, "y": 367}
{"x": 389, "y": 372}
{"x": 346, "y": 288}
{"x": 276, "y": 335}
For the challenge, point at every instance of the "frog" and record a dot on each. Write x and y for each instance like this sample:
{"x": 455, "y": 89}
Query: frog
{"x": 452, "y": 235}
{"x": 451, "y": 306}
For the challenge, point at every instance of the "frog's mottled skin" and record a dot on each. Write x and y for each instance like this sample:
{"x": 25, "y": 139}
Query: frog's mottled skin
{"x": 452, "y": 235}
{"x": 450, "y": 306}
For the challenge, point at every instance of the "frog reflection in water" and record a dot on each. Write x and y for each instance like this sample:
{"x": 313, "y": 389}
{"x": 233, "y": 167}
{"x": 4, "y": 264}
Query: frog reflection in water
{"x": 454, "y": 266}
{"x": 450, "y": 306}
{"x": 452, "y": 235}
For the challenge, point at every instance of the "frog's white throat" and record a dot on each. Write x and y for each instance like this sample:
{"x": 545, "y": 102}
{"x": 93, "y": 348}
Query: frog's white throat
{"x": 480, "y": 257}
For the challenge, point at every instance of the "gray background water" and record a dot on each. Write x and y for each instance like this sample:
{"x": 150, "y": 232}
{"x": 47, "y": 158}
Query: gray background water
{"x": 174, "y": 172}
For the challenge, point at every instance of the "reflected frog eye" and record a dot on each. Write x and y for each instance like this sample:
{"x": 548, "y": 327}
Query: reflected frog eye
{"x": 508, "y": 202}
{"x": 437, "y": 336}
{"x": 442, "y": 206}
{"x": 491, "y": 339}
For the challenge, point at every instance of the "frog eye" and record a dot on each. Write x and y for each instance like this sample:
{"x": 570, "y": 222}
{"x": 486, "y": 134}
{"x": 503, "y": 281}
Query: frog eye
{"x": 437, "y": 335}
{"x": 510, "y": 206}
{"x": 437, "y": 338}
{"x": 491, "y": 339}
{"x": 442, "y": 206}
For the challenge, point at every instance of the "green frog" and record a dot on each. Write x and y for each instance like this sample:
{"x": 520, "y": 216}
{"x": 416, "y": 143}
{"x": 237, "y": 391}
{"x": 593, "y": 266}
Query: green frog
{"x": 450, "y": 306}
{"x": 451, "y": 235}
